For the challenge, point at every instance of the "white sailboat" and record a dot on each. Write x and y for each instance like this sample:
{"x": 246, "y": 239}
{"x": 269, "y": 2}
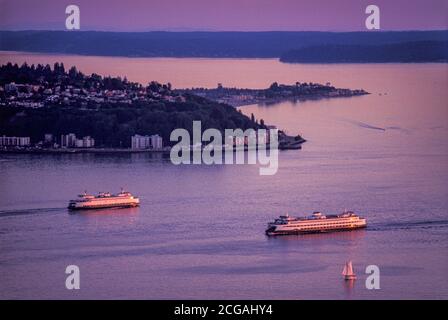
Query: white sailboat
{"x": 348, "y": 272}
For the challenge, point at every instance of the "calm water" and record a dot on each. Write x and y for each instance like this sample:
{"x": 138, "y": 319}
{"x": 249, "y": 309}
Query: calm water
{"x": 199, "y": 230}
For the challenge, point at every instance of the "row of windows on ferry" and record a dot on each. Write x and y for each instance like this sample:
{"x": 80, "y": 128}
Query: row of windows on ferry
{"x": 328, "y": 224}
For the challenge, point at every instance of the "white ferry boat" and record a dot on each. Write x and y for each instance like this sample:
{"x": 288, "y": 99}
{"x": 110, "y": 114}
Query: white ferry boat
{"x": 104, "y": 200}
{"x": 316, "y": 223}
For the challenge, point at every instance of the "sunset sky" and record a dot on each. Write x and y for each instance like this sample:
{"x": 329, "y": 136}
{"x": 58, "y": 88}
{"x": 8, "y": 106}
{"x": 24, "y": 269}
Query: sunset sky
{"x": 213, "y": 15}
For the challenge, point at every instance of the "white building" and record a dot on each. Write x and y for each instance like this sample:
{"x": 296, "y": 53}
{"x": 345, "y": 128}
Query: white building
{"x": 15, "y": 141}
{"x": 70, "y": 141}
{"x": 156, "y": 141}
{"x": 88, "y": 142}
{"x": 146, "y": 142}
{"x": 140, "y": 142}
{"x": 257, "y": 137}
{"x": 78, "y": 143}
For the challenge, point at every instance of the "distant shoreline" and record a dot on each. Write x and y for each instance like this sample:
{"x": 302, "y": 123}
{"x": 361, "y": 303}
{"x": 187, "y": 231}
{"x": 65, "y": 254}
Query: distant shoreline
{"x": 402, "y": 52}
{"x": 276, "y": 93}
{"x": 288, "y": 143}
{"x": 215, "y": 45}
{"x": 56, "y": 54}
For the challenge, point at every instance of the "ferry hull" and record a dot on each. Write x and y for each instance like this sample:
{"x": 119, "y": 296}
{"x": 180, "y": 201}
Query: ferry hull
{"x": 103, "y": 206}
{"x": 270, "y": 232}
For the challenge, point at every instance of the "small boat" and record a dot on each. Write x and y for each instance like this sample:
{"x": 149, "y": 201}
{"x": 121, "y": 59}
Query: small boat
{"x": 349, "y": 272}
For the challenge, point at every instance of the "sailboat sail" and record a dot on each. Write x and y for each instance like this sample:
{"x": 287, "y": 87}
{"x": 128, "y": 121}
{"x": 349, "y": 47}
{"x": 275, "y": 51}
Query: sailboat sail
{"x": 348, "y": 269}
{"x": 344, "y": 271}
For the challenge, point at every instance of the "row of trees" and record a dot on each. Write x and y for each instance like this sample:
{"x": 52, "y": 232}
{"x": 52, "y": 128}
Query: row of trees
{"x": 44, "y": 74}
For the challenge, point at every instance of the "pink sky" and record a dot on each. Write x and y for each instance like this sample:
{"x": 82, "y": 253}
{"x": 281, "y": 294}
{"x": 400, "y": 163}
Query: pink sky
{"x": 215, "y": 15}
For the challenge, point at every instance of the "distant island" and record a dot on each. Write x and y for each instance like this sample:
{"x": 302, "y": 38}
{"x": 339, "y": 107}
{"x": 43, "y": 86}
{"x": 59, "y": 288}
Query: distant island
{"x": 274, "y": 94}
{"x": 228, "y": 44}
{"x": 406, "y": 52}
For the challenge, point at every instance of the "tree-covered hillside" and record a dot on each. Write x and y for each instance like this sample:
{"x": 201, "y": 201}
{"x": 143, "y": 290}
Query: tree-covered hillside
{"x": 109, "y": 109}
{"x": 406, "y": 52}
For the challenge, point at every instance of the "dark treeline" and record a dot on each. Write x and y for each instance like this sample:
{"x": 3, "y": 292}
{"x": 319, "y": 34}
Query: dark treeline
{"x": 197, "y": 44}
{"x": 39, "y": 74}
{"x": 420, "y": 51}
{"x": 111, "y": 124}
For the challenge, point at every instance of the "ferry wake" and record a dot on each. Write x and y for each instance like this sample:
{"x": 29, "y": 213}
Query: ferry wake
{"x": 85, "y": 201}
{"x": 318, "y": 222}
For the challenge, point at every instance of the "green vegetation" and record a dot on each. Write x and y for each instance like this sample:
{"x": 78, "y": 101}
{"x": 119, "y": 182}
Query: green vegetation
{"x": 154, "y": 109}
{"x": 112, "y": 126}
